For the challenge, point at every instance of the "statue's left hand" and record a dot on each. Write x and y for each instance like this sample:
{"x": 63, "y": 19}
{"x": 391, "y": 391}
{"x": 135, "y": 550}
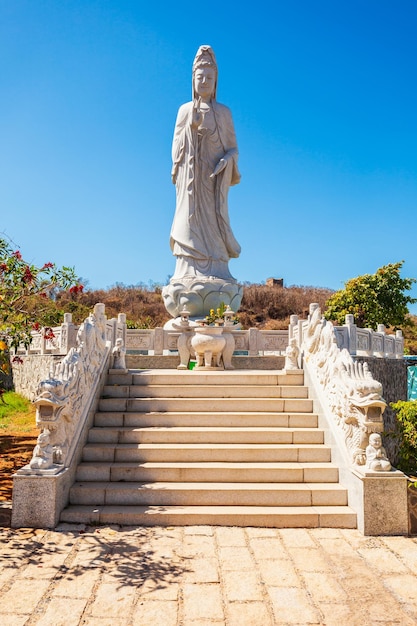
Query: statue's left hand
{"x": 219, "y": 167}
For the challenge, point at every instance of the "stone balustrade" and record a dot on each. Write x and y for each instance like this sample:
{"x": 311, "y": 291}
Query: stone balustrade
{"x": 357, "y": 341}
{"x": 156, "y": 341}
{"x": 253, "y": 342}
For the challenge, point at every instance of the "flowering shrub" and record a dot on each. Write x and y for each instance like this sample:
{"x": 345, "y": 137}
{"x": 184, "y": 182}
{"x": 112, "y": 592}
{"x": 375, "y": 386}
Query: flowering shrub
{"x": 23, "y": 287}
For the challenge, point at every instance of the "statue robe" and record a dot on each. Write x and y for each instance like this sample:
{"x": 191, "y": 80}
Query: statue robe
{"x": 201, "y": 236}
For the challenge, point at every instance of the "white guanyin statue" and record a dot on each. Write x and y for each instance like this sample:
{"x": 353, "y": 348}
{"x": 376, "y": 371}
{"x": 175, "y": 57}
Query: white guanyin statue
{"x": 204, "y": 154}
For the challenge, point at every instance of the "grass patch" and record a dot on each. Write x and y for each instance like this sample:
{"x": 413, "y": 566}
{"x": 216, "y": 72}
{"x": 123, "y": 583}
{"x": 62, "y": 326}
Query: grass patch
{"x": 17, "y": 413}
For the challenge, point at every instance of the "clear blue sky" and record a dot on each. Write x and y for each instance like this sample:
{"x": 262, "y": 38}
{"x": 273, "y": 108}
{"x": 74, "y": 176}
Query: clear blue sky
{"x": 324, "y": 99}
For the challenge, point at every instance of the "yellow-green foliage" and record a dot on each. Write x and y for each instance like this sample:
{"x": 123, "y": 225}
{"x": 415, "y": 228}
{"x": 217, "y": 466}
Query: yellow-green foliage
{"x": 406, "y": 414}
{"x": 373, "y": 299}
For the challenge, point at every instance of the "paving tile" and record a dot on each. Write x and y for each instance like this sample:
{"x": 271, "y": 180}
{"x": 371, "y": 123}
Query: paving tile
{"x": 261, "y": 532}
{"x": 292, "y": 606}
{"x": 198, "y": 546}
{"x": 335, "y": 614}
{"x": 267, "y": 548}
{"x": 310, "y": 559}
{"x": 13, "y": 620}
{"x": 6, "y": 573}
{"x": 404, "y": 548}
{"x": 242, "y": 586}
{"x": 235, "y": 558}
{"x": 383, "y": 560}
{"x": 404, "y": 588}
{"x": 47, "y": 566}
{"x": 230, "y": 536}
{"x": 296, "y": 538}
{"x": 112, "y": 600}
{"x": 23, "y": 595}
{"x": 153, "y": 612}
{"x": 102, "y": 621}
{"x": 323, "y": 587}
{"x": 201, "y": 571}
{"x": 202, "y": 622}
{"x": 202, "y": 602}
{"x": 199, "y": 530}
{"x": 76, "y": 584}
{"x": 155, "y": 590}
{"x": 336, "y": 548}
{"x": 278, "y": 573}
{"x": 248, "y": 614}
{"x": 60, "y": 612}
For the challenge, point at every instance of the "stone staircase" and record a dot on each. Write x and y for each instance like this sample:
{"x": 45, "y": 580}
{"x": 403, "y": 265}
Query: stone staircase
{"x": 235, "y": 448}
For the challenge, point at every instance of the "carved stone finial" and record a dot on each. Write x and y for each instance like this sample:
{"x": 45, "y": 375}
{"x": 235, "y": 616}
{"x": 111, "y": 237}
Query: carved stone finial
{"x": 119, "y": 355}
{"x": 291, "y": 355}
{"x": 43, "y": 453}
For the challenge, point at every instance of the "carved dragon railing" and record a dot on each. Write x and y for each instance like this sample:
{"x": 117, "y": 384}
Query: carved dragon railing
{"x": 63, "y": 399}
{"x": 353, "y": 396}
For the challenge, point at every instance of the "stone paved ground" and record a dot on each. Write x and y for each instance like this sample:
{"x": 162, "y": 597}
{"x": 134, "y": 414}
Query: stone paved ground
{"x": 195, "y": 576}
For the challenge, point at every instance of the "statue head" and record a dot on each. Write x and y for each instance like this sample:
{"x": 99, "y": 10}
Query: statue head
{"x": 375, "y": 440}
{"x": 205, "y": 62}
{"x": 43, "y": 438}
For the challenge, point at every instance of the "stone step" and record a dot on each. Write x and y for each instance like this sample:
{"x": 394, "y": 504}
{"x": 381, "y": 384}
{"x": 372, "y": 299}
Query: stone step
{"x": 275, "y": 517}
{"x": 208, "y": 494}
{"x": 205, "y": 453}
{"x": 276, "y": 405}
{"x": 209, "y": 472}
{"x": 205, "y": 434}
{"x": 204, "y": 391}
{"x": 229, "y": 419}
{"x": 191, "y": 378}
{"x": 171, "y": 447}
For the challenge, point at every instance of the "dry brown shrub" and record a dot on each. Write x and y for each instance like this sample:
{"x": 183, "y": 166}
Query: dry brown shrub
{"x": 263, "y": 306}
{"x": 270, "y": 307}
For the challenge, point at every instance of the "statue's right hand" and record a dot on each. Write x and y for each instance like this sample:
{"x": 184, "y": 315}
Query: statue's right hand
{"x": 196, "y": 116}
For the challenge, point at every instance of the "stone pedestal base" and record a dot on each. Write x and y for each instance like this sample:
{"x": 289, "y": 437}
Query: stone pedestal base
{"x": 385, "y": 510}
{"x": 39, "y": 500}
{"x": 200, "y": 294}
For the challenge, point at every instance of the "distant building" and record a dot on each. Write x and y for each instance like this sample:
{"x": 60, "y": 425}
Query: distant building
{"x": 274, "y": 282}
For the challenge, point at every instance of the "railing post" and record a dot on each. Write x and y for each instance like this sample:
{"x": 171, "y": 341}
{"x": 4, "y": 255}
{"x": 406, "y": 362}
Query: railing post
{"x": 352, "y": 334}
{"x": 399, "y": 344}
{"x": 68, "y": 334}
{"x": 159, "y": 341}
{"x": 292, "y": 326}
{"x": 121, "y": 327}
{"x": 253, "y": 342}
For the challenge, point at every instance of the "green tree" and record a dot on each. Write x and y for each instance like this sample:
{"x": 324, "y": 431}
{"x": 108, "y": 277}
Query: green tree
{"x": 26, "y": 292}
{"x": 406, "y": 434}
{"x": 374, "y": 299}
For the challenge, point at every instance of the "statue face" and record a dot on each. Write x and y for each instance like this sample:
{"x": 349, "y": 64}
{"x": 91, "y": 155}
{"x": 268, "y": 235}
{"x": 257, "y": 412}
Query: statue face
{"x": 204, "y": 81}
{"x": 375, "y": 441}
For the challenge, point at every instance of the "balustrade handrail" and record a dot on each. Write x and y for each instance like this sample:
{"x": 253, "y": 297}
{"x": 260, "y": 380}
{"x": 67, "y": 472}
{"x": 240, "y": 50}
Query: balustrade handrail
{"x": 358, "y": 341}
